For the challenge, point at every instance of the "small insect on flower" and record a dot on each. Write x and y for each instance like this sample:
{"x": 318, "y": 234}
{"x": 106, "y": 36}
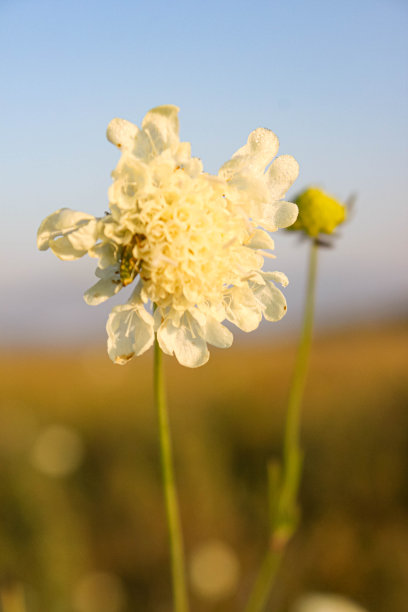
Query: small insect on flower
{"x": 190, "y": 243}
{"x": 129, "y": 264}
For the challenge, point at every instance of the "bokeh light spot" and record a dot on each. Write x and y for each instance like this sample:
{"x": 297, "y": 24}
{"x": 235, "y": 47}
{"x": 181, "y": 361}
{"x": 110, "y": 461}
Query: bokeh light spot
{"x": 214, "y": 570}
{"x": 57, "y": 451}
{"x": 325, "y": 603}
{"x": 99, "y": 592}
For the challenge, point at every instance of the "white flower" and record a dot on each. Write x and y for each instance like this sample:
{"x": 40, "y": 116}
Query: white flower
{"x": 194, "y": 243}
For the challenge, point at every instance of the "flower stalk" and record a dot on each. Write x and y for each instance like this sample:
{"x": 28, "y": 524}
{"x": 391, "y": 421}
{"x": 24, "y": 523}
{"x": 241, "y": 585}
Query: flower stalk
{"x": 292, "y": 453}
{"x": 284, "y": 480}
{"x": 180, "y": 597}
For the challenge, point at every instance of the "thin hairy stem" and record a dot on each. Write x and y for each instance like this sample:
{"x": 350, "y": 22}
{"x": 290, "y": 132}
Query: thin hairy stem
{"x": 180, "y": 597}
{"x": 284, "y": 481}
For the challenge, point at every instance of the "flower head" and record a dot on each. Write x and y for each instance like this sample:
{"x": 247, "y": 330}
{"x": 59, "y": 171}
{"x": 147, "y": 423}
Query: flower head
{"x": 319, "y": 213}
{"x": 192, "y": 243}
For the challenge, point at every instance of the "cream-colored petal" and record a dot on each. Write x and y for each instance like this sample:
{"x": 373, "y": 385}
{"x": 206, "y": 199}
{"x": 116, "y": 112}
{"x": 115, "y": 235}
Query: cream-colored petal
{"x": 62, "y": 248}
{"x": 122, "y": 133}
{"x": 216, "y": 334}
{"x": 60, "y": 223}
{"x": 182, "y": 154}
{"x": 231, "y": 167}
{"x": 162, "y": 126}
{"x": 261, "y": 148}
{"x": 193, "y": 167}
{"x": 108, "y": 285}
{"x": 277, "y": 277}
{"x": 130, "y": 332}
{"x": 157, "y": 319}
{"x": 136, "y": 299}
{"x": 249, "y": 186}
{"x": 194, "y": 319}
{"x": 261, "y": 240}
{"x": 248, "y": 260}
{"x": 106, "y": 253}
{"x": 132, "y": 179}
{"x": 73, "y": 240}
{"x": 282, "y": 173}
{"x": 116, "y": 231}
{"x": 166, "y": 332}
{"x": 128, "y": 138}
{"x": 272, "y": 300}
{"x": 85, "y": 236}
{"x": 189, "y": 351}
{"x": 242, "y": 309}
{"x": 278, "y": 215}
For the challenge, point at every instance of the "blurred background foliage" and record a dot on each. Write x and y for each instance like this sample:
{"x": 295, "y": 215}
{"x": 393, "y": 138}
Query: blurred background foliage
{"x": 82, "y": 526}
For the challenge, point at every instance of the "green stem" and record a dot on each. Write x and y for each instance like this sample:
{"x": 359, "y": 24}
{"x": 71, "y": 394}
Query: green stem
{"x": 180, "y": 598}
{"x": 284, "y": 485}
{"x": 263, "y": 585}
{"x": 292, "y": 453}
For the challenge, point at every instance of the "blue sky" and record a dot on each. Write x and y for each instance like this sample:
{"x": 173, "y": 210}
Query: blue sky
{"x": 329, "y": 78}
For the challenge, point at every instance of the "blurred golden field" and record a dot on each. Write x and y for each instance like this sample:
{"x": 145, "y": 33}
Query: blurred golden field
{"x": 82, "y": 526}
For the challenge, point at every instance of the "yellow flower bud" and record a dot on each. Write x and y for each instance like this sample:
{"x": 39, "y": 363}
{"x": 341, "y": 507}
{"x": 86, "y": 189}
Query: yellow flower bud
{"x": 319, "y": 213}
